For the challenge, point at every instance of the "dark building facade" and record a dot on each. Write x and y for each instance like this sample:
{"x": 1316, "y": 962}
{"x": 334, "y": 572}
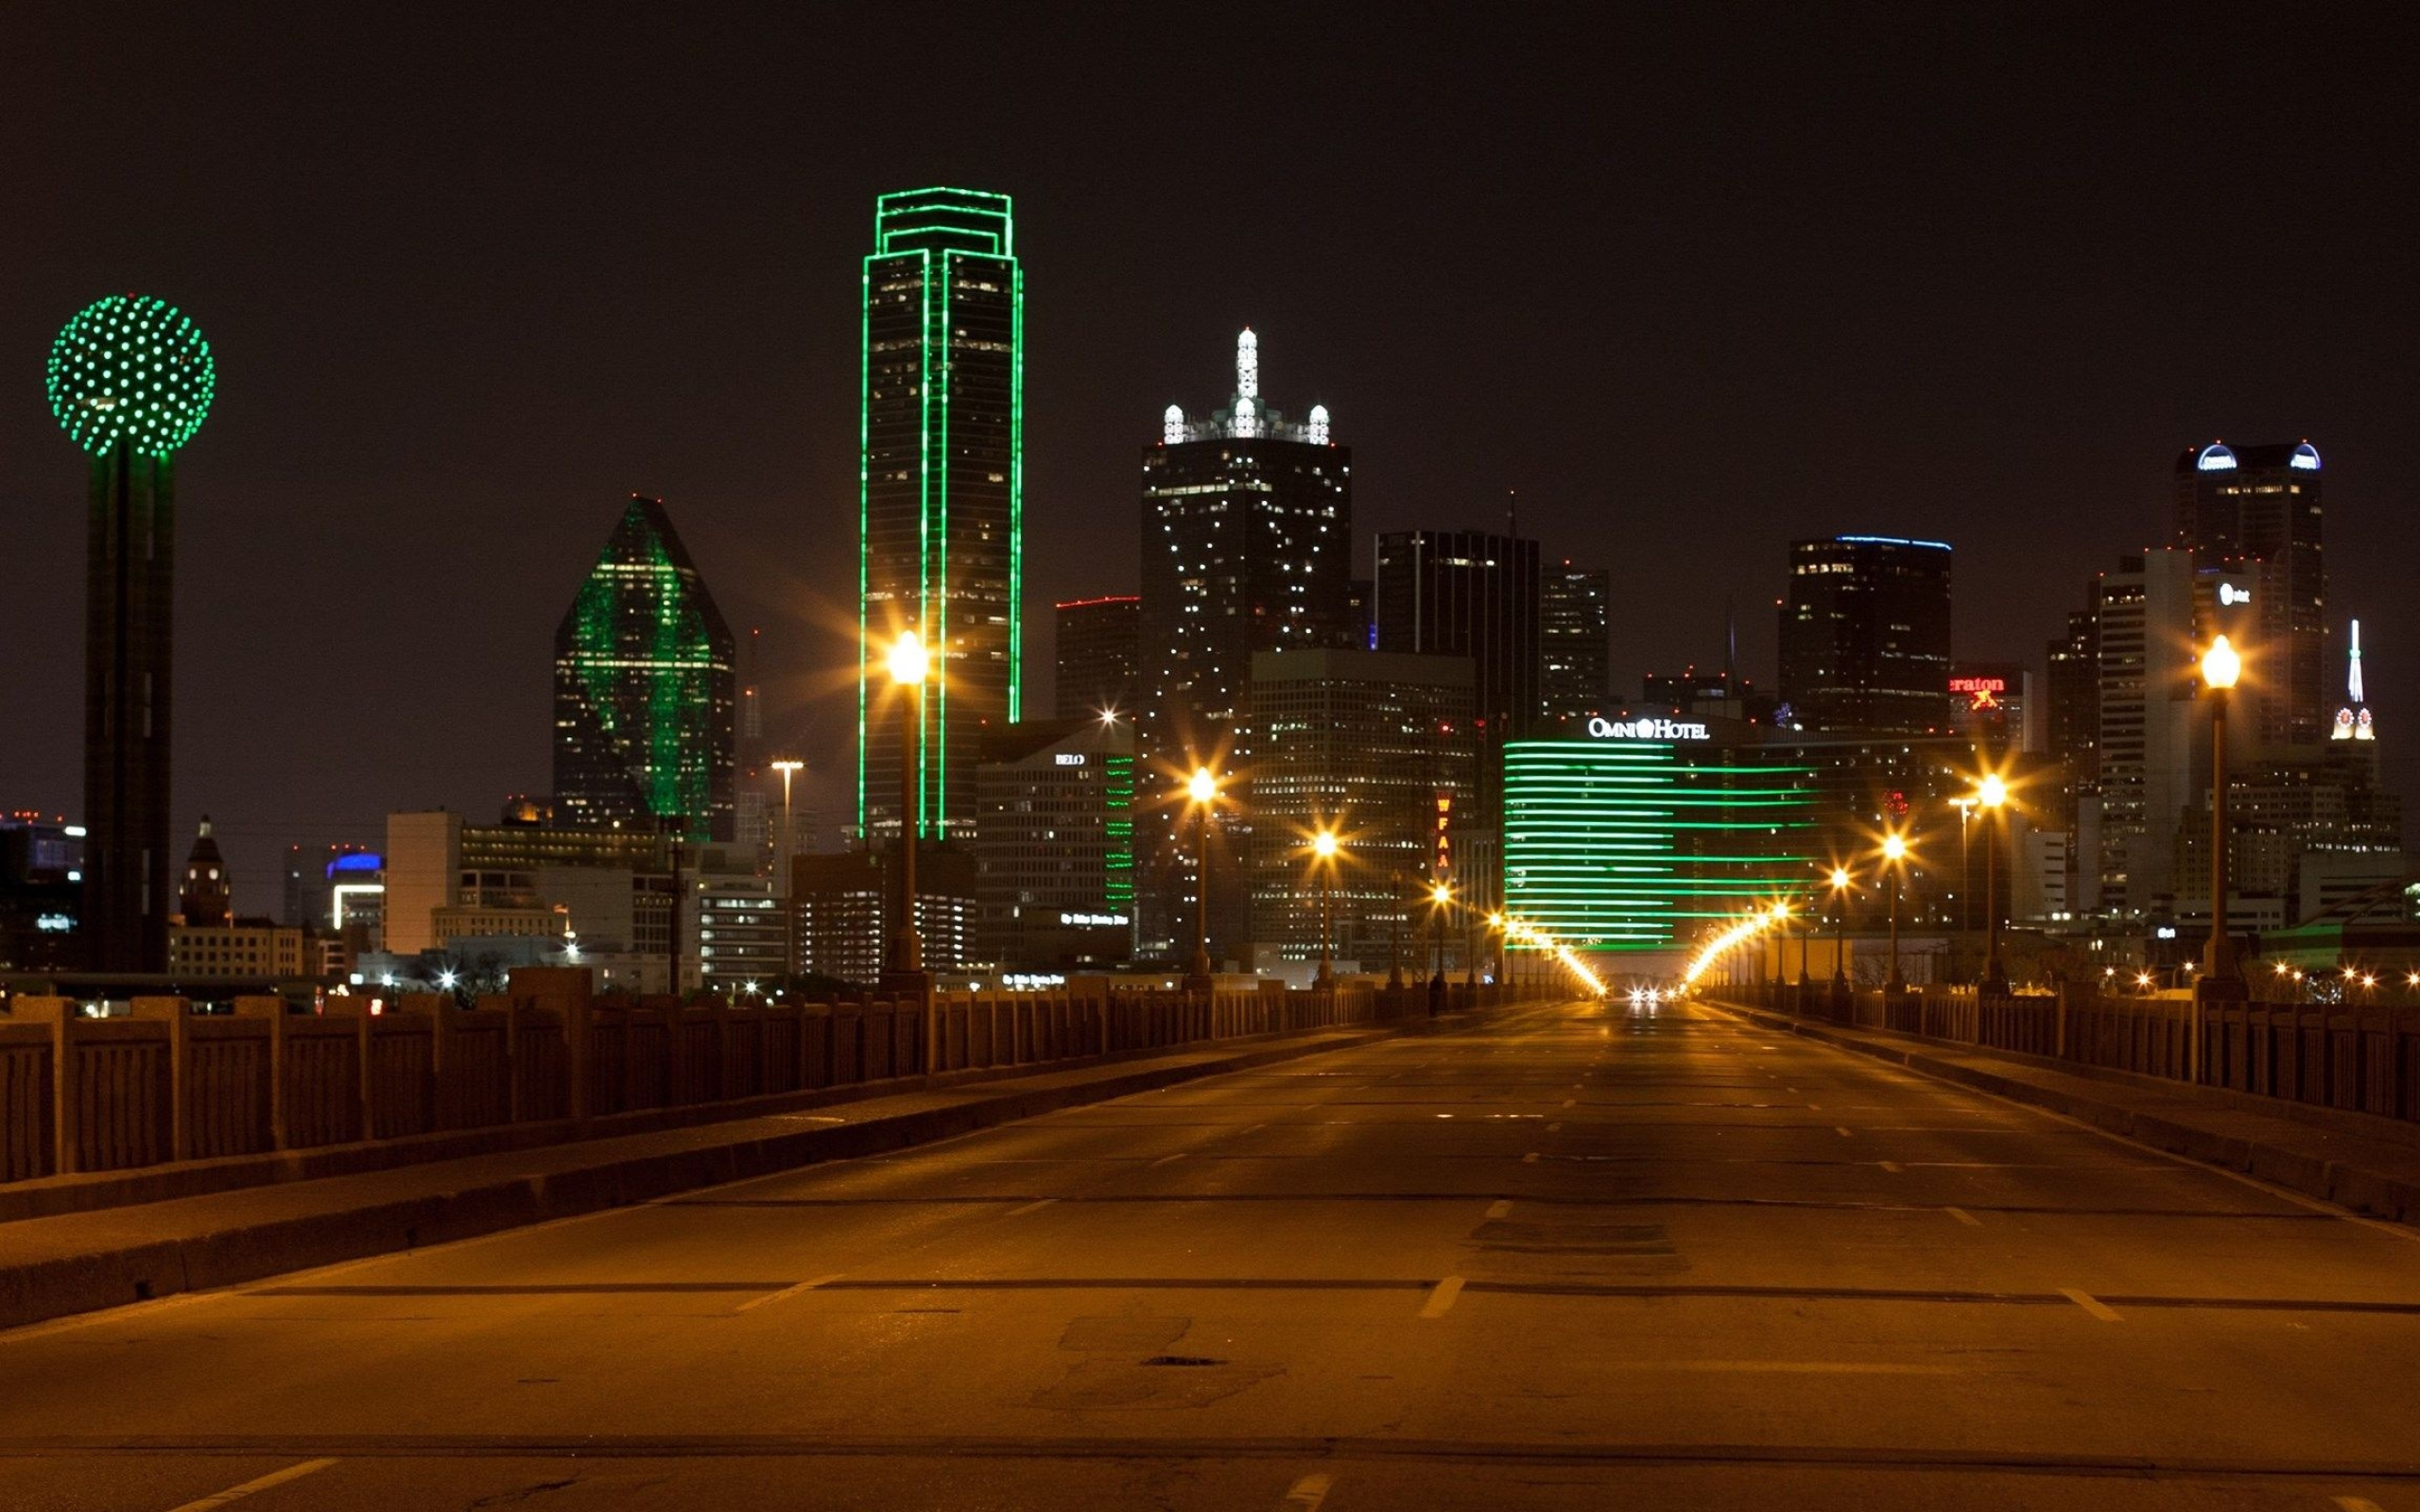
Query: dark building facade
{"x": 2257, "y": 507}
{"x": 942, "y": 495}
{"x": 1054, "y": 845}
{"x": 645, "y": 694}
{"x": 1101, "y": 647}
{"x": 1866, "y": 636}
{"x": 1378, "y": 748}
{"x": 1575, "y": 651}
{"x": 42, "y": 894}
{"x": 1468, "y": 592}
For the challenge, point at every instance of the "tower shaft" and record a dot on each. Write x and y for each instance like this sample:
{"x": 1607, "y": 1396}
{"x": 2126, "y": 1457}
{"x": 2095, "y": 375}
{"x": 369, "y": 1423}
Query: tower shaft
{"x": 129, "y": 623}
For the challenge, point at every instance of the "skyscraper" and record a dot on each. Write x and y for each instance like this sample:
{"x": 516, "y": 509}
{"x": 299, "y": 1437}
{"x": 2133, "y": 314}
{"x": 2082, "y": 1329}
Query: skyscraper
{"x": 1865, "y": 635}
{"x": 645, "y": 698}
{"x": 1575, "y": 674}
{"x": 1101, "y": 643}
{"x": 130, "y": 380}
{"x": 1247, "y": 546}
{"x": 2258, "y": 508}
{"x": 1468, "y": 592}
{"x": 2143, "y": 633}
{"x": 939, "y": 471}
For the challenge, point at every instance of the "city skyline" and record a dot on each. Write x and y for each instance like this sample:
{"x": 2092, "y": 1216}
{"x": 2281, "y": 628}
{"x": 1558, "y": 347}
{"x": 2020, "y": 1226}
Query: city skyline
{"x": 314, "y": 464}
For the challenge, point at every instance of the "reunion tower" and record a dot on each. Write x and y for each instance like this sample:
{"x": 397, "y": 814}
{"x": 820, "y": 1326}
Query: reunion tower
{"x": 130, "y": 380}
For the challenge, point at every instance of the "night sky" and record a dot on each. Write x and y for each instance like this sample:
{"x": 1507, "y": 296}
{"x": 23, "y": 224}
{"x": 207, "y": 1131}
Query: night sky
{"x": 1692, "y": 280}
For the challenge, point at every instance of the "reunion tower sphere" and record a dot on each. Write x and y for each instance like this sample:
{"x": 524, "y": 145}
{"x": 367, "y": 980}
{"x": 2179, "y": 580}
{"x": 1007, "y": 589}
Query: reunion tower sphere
{"x": 131, "y": 369}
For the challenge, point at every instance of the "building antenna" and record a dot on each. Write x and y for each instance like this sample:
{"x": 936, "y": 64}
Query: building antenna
{"x": 1730, "y": 643}
{"x": 1513, "y": 513}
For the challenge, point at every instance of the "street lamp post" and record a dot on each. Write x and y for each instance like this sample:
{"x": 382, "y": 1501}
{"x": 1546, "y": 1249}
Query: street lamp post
{"x": 1203, "y": 788}
{"x": 1839, "y": 944}
{"x": 786, "y": 844}
{"x": 1440, "y": 895}
{"x": 2220, "y": 982}
{"x": 1895, "y": 850}
{"x": 1324, "y": 862}
{"x": 910, "y": 666}
{"x": 1992, "y": 793}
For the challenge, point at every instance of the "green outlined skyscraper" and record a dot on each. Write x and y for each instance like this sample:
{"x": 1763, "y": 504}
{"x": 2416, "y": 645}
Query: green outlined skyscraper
{"x": 941, "y": 459}
{"x": 131, "y": 379}
{"x": 645, "y": 690}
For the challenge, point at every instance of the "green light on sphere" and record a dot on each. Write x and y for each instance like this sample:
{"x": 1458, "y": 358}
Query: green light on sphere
{"x": 131, "y": 369}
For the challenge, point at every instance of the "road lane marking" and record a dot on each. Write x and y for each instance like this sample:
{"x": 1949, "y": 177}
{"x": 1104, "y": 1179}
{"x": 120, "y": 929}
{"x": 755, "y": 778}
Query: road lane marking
{"x": 2357, "y": 1503}
{"x": 1531, "y": 1159}
{"x": 1808, "y": 1368}
{"x": 1894, "y": 1167}
{"x": 1441, "y": 1297}
{"x": 1254, "y": 1129}
{"x": 2091, "y": 1304}
{"x": 1499, "y": 1207}
{"x": 1567, "y": 1102}
{"x": 787, "y": 1292}
{"x": 1843, "y": 1132}
{"x": 1554, "y": 1128}
{"x": 1964, "y": 1217}
{"x": 1029, "y": 1207}
{"x": 1306, "y": 1494}
{"x": 1170, "y": 1160}
{"x": 237, "y": 1493}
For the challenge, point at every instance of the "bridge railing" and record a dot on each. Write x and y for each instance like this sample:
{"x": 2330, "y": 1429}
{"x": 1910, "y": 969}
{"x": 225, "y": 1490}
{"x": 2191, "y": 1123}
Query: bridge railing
{"x": 2361, "y": 1058}
{"x": 166, "y": 1084}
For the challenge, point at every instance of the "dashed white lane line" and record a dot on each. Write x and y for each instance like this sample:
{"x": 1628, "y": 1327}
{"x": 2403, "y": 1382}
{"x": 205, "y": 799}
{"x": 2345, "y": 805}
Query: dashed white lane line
{"x": 1254, "y": 1129}
{"x": 1531, "y": 1159}
{"x": 1964, "y": 1217}
{"x": 2357, "y": 1503}
{"x": 1170, "y": 1160}
{"x": 1567, "y": 1102}
{"x": 262, "y": 1482}
{"x": 786, "y": 1293}
{"x": 1441, "y": 1297}
{"x": 1894, "y": 1167}
{"x": 2091, "y": 1304}
{"x": 1498, "y": 1209}
{"x": 1306, "y": 1494}
{"x": 1843, "y": 1132}
{"x": 1015, "y": 1212}
{"x": 1554, "y": 1128}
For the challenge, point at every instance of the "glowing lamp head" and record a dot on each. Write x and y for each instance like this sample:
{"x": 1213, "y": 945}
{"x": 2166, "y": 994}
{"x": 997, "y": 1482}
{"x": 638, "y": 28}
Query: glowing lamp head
{"x": 909, "y": 661}
{"x": 1323, "y": 845}
{"x": 1840, "y": 878}
{"x": 2220, "y": 665}
{"x": 1201, "y": 787}
{"x": 1893, "y": 848}
{"x": 1781, "y": 913}
{"x": 1496, "y": 921}
{"x": 1991, "y": 792}
{"x": 130, "y": 369}
{"x": 1441, "y": 893}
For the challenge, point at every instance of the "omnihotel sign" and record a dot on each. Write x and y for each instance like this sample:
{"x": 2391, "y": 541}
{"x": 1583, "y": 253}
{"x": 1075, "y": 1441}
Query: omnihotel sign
{"x": 1604, "y": 728}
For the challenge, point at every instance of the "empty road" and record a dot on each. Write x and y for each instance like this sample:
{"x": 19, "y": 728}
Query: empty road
{"x": 1586, "y": 1256}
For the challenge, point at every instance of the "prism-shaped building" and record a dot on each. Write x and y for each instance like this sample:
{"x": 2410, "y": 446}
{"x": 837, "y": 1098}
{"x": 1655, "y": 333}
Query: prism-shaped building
{"x": 646, "y": 692}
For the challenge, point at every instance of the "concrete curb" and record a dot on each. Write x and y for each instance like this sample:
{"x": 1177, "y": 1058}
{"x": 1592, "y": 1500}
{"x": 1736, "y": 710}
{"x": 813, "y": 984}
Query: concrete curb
{"x": 128, "y": 1269}
{"x": 2376, "y": 1193}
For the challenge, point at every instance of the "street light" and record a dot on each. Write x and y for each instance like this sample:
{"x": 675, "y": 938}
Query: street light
{"x": 2221, "y": 670}
{"x": 1992, "y": 793}
{"x": 1840, "y": 908}
{"x": 782, "y": 869}
{"x": 1324, "y": 849}
{"x": 910, "y": 666}
{"x": 1201, "y": 790}
{"x": 1440, "y": 895}
{"x": 1895, "y": 852}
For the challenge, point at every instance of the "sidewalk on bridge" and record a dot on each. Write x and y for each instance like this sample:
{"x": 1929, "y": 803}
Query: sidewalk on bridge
{"x": 2357, "y": 1160}
{"x": 79, "y": 1262}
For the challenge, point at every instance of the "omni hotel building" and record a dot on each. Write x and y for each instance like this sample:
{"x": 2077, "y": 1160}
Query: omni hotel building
{"x": 1646, "y": 833}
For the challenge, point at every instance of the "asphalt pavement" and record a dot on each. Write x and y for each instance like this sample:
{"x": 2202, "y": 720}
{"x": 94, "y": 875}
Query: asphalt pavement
{"x": 1584, "y": 1256}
